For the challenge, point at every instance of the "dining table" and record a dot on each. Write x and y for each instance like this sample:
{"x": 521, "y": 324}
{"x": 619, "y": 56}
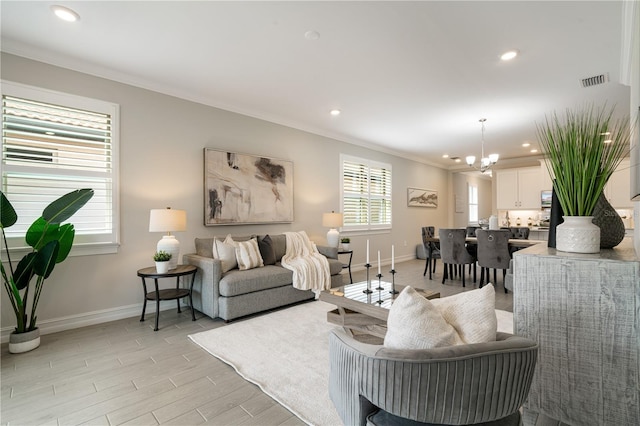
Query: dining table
{"x": 515, "y": 243}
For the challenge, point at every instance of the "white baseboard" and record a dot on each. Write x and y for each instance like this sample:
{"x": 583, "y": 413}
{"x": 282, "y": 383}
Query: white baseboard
{"x": 89, "y": 318}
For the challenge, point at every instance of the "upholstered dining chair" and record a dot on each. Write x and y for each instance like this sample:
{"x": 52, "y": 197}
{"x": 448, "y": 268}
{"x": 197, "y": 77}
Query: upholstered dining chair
{"x": 493, "y": 253}
{"x": 518, "y": 233}
{"x": 431, "y": 249}
{"x": 471, "y": 232}
{"x": 453, "y": 252}
{"x": 482, "y": 383}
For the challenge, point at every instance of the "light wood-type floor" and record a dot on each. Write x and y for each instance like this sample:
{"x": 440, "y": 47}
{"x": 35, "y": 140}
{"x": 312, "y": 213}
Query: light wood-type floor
{"x": 123, "y": 372}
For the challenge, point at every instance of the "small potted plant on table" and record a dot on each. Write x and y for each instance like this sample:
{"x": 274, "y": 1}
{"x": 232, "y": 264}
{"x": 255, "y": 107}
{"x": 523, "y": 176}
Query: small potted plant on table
{"x": 345, "y": 242}
{"x": 162, "y": 259}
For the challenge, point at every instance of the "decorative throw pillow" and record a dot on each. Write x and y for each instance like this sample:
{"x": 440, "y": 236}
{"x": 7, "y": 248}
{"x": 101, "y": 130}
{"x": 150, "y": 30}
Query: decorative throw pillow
{"x": 415, "y": 323}
{"x": 248, "y": 254}
{"x": 471, "y": 313}
{"x": 265, "y": 244}
{"x": 226, "y": 252}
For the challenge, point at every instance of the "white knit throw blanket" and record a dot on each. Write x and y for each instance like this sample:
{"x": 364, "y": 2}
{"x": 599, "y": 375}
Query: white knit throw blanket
{"x": 310, "y": 268}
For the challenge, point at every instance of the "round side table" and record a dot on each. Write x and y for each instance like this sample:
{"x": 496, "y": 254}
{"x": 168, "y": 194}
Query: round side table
{"x": 170, "y": 293}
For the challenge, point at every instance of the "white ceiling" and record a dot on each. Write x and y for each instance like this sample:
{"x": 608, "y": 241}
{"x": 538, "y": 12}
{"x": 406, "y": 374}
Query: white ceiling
{"x": 412, "y": 78}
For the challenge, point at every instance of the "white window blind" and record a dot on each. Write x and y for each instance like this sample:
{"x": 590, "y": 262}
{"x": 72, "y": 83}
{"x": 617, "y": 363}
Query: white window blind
{"x": 366, "y": 194}
{"x": 52, "y": 144}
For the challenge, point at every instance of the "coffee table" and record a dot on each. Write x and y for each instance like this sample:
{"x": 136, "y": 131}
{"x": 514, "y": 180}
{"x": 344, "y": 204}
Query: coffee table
{"x": 363, "y": 315}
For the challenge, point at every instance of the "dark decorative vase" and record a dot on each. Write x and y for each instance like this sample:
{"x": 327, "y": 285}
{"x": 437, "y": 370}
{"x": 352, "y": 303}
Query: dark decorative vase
{"x": 555, "y": 219}
{"x": 610, "y": 223}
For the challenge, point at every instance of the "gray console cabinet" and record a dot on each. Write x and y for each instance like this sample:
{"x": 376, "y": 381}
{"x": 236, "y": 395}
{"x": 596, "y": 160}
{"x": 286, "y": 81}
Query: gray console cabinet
{"x": 584, "y": 312}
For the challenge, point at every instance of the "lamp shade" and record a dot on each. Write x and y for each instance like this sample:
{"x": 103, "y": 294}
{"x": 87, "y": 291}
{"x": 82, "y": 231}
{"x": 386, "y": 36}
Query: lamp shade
{"x": 167, "y": 220}
{"x": 332, "y": 220}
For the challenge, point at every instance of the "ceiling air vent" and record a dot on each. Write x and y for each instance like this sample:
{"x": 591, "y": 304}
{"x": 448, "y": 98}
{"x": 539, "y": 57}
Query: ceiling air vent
{"x": 595, "y": 80}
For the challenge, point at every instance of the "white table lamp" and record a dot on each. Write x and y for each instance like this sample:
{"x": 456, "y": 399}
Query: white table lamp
{"x": 332, "y": 220}
{"x": 168, "y": 220}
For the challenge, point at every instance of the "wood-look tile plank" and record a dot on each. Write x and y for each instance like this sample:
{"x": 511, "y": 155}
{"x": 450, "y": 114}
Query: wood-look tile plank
{"x": 159, "y": 400}
{"x": 139, "y": 396}
{"x": 226, "y": 387}
{"x": 191, "y": 418}
{"x": 233, "y": 416}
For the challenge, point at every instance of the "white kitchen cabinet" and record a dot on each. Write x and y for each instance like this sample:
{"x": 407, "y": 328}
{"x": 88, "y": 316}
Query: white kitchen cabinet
{"x": 518, "y": 188}
{"x": 617, "y": 190}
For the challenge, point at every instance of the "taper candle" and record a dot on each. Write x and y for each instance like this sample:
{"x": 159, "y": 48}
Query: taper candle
{"x": 379, "y": 272}
{"x": 392, "y": 257}
{"x": 367, "y": 251}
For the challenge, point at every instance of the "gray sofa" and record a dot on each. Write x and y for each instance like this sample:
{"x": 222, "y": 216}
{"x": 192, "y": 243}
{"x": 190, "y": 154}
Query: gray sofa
{"x": 235, "y": 293}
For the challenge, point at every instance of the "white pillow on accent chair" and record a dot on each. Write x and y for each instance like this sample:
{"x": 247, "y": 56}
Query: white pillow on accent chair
{"x": 418, "y": 323}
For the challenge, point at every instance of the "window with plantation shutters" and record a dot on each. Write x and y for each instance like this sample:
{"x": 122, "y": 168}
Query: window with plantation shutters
{"x": 54, "y": 143}
{"x": 366, "y": 194}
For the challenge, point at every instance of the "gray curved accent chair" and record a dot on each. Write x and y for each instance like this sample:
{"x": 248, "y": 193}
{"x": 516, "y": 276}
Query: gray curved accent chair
{"x": 457, "y": 385}
{"x": 493, "y": 253}
{"x": 453, "y": 251}
{"x": 431, "y": 249}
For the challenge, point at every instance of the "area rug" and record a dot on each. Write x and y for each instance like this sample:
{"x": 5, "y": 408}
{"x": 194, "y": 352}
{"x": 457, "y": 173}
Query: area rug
{"x": 286, "y": 353}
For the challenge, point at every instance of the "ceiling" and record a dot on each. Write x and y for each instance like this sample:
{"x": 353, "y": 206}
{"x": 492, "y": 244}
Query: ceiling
{"x": 410, "y": 78}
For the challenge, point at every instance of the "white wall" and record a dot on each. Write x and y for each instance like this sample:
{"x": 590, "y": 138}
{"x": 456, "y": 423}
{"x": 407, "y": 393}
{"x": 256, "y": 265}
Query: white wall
{"x": 460, "y": 182}
{"x": 161, "y": 164}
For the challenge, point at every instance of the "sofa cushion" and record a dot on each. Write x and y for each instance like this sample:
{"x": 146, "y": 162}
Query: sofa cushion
{"x": 279, "y": 245}
{"x": 248, "y": 255}
{"x": 226, "y": 252}
{"x": 265, "y": 244}
{"x": 237, "y": 282}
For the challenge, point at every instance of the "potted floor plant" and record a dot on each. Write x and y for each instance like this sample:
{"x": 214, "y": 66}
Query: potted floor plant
{"x": 582, "y": 150}
{"x": 50, "y": 241}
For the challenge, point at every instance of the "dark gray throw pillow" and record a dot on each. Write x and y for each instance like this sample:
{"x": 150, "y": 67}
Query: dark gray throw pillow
{"x": 266, "y": 250}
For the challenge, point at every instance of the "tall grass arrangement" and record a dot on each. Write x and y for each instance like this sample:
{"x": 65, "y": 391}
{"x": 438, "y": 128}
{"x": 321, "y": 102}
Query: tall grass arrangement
{"x": 579, "y": 160}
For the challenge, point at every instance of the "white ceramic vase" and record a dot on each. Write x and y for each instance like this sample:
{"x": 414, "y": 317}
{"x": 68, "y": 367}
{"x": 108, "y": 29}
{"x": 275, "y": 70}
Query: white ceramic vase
{"x": 345, "y": 246}
{"x": 578, "y": 234}
{"x": 162, "y": 267}
{"x": 24, "y": 342}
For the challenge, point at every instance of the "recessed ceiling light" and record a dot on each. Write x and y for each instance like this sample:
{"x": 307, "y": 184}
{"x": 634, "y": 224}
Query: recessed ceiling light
{"x": 65, "y": 13}
{"x": 533, "y": 151}
{"x": 335, "y": 112}
{"x": 507, "y": 56}
{"x": 445, "y": 155}
{"x": 312, "y": 35}
{"x": 526, "y": 144}
{"x": 608, "y": 141}
{"x": 458, "y": 160}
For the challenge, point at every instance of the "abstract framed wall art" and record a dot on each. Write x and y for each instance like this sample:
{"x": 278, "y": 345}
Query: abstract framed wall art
{"x": 242, "y": 189}
{"x": 417, "y": 197}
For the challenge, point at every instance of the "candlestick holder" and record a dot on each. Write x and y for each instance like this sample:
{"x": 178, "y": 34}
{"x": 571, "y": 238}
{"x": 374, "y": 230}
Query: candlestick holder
{"x": 393, "y": 282}
{"x": 368, "y": 289}
{"x": 379, "y": 288}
